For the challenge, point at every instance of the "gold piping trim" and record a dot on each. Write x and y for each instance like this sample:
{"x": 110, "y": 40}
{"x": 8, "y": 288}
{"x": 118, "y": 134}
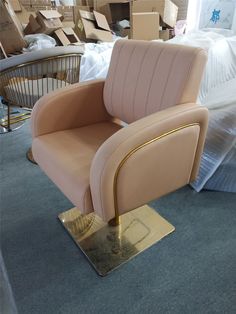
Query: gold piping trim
{"x": 116, "y": 220}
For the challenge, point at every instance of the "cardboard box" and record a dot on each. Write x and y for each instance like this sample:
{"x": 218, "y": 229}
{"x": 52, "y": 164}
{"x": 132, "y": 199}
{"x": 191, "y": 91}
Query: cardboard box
{"x": 145, "y": 25}
{"x": 114, "y": 10}
{"x": 33, "y": 26}
{"x": 67, "y": 13}
{"x": 46, "y": 21}
{"x": 66, "y": 36}
{"x": 3, "y": 54}
{"x": 25, "y": 2}
{"x": 49, "y": 21}
{"x": 39, "y": 7}
{"x": 40, "y": 2}
{"x": 167, "y": 9}
{"x": 11, "y": 31}
{"x": 16, "y": 6}
{"x": 164, "y": 34}
{"x": 24, "y": 15}
{"x": 35, "y": 3}
{"x": 93, "y": 26}
{"x": 119, "y": 11}
{"x": 76, "y": 9}
{"x": 68, "y": 24}
{"x": 89, "y": 3}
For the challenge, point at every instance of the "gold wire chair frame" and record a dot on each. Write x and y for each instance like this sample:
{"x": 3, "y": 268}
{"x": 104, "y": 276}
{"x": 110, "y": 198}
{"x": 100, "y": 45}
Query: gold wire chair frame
{"x": 63, "y": 70}
{"x": 23, "y": 84}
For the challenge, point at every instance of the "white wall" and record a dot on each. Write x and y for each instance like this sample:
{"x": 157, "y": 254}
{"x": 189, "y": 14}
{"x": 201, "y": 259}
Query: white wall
{"x": 226, "y": 15}
{"x": 200, "y": 13}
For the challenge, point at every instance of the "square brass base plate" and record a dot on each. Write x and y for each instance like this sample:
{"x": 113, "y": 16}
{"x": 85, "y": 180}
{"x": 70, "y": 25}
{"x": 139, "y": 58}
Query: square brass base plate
{"x": 107, "y": 247}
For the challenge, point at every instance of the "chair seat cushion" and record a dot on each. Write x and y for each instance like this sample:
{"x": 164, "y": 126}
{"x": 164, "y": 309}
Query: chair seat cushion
{"x": 66, "y": 157}
{"x": 25, "y": 92}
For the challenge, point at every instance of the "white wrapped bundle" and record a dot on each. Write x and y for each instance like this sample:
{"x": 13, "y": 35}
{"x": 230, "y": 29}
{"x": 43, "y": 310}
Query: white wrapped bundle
{"x": 218, "y": 93}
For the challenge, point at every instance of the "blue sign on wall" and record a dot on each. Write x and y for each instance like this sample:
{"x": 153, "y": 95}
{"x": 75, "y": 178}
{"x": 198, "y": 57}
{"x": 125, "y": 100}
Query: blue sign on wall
{"x": 215, "y": 16}
{"x": 217, "y": 13}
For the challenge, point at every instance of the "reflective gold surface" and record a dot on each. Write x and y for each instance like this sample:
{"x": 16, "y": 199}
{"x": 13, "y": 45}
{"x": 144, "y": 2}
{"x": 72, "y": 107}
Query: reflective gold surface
{"x": 30, "y": 156}
{"x": 14, "y": 119}
{"x": 107, "y": 247}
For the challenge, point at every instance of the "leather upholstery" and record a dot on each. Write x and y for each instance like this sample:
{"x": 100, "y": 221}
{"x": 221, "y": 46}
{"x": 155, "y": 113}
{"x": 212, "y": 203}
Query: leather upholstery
{"x": 154, "y": 170}
{"x": 66, "y": 157}
{"x": 78, "y": 105}
{"x": 92, "y": 159}
{"x": 148, "y": 77}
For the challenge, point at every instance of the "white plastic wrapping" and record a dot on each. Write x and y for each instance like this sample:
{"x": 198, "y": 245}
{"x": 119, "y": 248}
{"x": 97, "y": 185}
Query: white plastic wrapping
{"x": 224, "y": 177}
{"x": 38, "y": 42}
{"x": 95, "y": 61}
{"x": 218, "y": 93}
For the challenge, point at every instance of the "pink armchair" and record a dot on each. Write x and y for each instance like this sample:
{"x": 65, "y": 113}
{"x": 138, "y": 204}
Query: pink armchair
{"x": 110, "y": 171}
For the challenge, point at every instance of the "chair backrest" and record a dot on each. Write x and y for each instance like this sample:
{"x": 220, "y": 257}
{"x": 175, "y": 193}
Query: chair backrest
{"x": 145, "y": 77}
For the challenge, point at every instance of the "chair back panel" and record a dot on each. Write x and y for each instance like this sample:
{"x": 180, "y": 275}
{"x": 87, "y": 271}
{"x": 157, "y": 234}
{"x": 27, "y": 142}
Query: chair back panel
{"x": 145, "y": 77}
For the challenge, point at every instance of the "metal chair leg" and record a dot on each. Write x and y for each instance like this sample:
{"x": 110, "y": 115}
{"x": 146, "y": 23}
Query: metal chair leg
{"x": 6, "y": 123}
{"x": 8, "y": 116}
{"x": 30, "y": 156}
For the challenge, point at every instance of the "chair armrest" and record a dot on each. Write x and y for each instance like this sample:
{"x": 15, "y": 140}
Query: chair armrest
{"x": 70, "y": 107}
{"x": 147, "y": 159}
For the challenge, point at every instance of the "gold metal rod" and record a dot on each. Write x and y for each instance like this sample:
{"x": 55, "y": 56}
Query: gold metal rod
{"x": 15, "y": 121}
{"x": 116, "y": 219}
{"x": 17, "y": 116}
{"x": 8, "y": 117}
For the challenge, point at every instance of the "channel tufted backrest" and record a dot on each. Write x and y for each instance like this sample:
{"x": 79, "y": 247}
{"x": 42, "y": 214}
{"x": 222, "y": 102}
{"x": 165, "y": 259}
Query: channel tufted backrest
{"x": 145, "y": 77}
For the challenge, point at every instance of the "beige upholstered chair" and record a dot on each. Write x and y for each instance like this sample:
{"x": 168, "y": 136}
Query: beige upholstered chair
{"x": 109, "y": 171}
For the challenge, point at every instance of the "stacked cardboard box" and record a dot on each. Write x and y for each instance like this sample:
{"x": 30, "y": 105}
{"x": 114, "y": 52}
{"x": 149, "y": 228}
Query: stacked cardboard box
{"x": 11, "y": 31}
{"x": 160, "y": 15}
{"x": 16, "y": 6}
{"x": 46, "y": 21}
{"x": 149, "y": 19}
{"x": 36, "y": 5}
{"x": 92, "y": 26}
{"x": 69, "y": 25}
{"x": 66, "y": 36}
{"x": 138, "y": 19}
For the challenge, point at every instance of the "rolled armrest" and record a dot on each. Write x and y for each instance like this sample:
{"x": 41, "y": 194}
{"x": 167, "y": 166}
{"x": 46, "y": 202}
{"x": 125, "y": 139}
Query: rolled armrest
{"x": 147, "y": 159}
{"x": 71, "y": 107}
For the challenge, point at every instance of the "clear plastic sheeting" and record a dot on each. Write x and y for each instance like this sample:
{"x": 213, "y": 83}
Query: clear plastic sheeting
{"x": 38, "y": 41}
{"x": 221, "y": 138}
{"x": 95, "y": 61}
{"x": 224, "y": 178}
{"x": 221, "y": 48}
{"x": 218, "y": 93}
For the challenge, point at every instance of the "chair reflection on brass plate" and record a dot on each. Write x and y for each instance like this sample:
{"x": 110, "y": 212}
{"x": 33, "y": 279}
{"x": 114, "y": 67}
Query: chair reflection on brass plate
{"x": 26, "y": 77}
{"x": 110, "y": 169}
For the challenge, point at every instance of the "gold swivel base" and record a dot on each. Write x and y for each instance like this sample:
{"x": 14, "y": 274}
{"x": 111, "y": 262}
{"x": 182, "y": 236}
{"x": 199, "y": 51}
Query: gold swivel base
{"x": 107, "y": 247}
{"x": 30, "y": 156}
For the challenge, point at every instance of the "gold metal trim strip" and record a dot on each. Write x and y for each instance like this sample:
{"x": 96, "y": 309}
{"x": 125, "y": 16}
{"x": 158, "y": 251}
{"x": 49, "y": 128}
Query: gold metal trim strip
{"x": 116, "y": 220}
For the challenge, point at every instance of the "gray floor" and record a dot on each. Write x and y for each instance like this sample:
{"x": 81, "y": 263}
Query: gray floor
{"x": 191, "y": 271}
